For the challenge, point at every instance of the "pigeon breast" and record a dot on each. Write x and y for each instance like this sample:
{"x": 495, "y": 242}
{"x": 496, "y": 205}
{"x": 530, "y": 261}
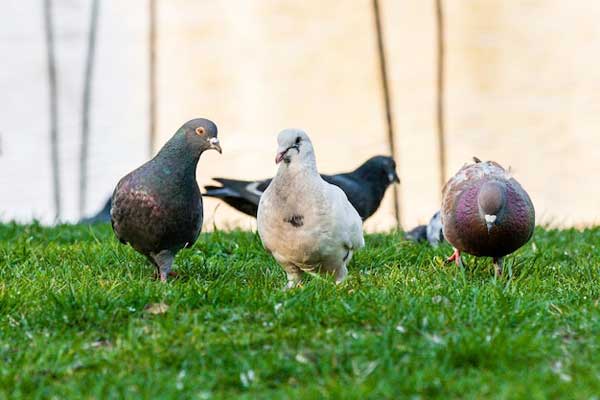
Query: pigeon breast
{"x": 308, "y": 222}
{"x": 156, "y": 209}
{"x": 293, "y": 226}
{"x": 465, "y": 227}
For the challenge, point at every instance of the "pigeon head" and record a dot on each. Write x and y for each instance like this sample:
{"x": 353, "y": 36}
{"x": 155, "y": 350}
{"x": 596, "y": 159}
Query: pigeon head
{"x": 294, "y": 146}
{"x": 491, "y": 201}
{"x": 200, "y": 134}
{"x": 381, "y": 169}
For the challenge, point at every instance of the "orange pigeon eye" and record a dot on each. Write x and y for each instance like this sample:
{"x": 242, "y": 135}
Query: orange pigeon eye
{"x": 200, "y": 131}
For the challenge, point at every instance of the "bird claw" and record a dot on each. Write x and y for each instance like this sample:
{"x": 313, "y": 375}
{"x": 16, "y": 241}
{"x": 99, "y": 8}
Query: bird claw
{"x": 163, "y": 277}
{"x": 456, "y": 258}
{"x": 292, "y": 285}
{"x": 498, "y": 266}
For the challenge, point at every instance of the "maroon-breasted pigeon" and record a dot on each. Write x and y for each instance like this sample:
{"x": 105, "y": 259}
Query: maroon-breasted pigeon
{"x": 486, "y": 212}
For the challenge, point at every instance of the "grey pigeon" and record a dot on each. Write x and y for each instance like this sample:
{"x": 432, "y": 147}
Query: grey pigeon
{"x": 307, "y": 224}
{"x": 101, "y": 216}
{"x": 157, "y": 208}
{"x": 435, "y": 230}
{"x": 432, "y": 232}
{"x": 365, "y": 187}
{"x": 417, "y": 234}
{"x": 486, "y": 213}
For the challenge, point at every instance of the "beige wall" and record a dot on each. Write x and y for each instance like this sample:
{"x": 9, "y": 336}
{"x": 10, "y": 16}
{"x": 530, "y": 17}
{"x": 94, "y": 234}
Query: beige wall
{"x": 523, "y": 89}
{"x": 259, "y": 67}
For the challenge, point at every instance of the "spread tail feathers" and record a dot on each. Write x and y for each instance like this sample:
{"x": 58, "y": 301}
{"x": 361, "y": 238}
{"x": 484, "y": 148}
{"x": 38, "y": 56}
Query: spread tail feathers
{"x": 244, "y": 196}
{"x": 220, "y": 192}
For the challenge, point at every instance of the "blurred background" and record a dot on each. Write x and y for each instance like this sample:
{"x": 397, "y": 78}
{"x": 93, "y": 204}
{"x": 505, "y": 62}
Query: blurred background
{"x": 90, "y": 89}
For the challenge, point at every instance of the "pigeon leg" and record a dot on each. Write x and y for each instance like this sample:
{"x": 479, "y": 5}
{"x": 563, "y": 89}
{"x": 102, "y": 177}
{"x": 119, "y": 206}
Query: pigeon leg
{"x": 456, "y": 258}
{"x": 164, "y": 261}
{"x": 294, "y": 277}
{"x": 340, "y": 274}
{"x": 172, "y": 274}
{"x": 157, "y": 272}
{"x": 498, "y": 262}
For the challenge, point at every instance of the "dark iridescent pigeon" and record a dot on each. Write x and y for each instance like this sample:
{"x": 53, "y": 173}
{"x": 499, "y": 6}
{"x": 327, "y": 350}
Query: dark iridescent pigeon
{"x": 486, "y": 212}
{"x": 365, "y": 187}
{"x": 157, "y": 208}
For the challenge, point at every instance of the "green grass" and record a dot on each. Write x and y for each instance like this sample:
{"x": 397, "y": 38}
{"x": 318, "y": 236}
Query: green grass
{"x": 404, "y": 325}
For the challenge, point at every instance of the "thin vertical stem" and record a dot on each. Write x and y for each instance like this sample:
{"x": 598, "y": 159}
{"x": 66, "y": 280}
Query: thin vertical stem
{"x": 87, "y": 96}
{"x": 53, "y": 102}
{"x": 152, "y": 74}
{"x": 441, "y": 88}
{"x": 388, "y": 103}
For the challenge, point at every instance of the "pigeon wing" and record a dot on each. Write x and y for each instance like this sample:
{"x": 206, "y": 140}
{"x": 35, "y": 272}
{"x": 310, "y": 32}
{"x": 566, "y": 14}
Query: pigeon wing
{"x": 347, "y": 219}
{"x": 244, "y": 196}
{"x": 358, "y": 194}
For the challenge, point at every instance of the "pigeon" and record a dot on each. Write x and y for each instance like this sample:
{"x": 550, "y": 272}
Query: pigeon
{"x": 417, "y": 234}
{"x": 486, "y": 213}
{"x": 365, "y": 187}
{"x": 157, "y": 208}
{"x": 432, "y": 232}
{"x": 101, "y": 216}
{"x": 435, "y": 230}
{"x": 306, "y": 223}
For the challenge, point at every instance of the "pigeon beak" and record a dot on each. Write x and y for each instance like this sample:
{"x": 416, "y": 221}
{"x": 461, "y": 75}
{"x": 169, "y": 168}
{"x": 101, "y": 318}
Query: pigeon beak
{"x": 279, "y": 157}
{"x": 489, "y": 221}
{"x": 393, "y": 178}
{"x": 215, "y": 145}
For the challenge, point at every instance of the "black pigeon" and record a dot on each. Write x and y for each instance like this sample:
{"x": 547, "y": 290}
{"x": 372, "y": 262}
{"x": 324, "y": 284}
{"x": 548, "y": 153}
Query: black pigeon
{"x": 157, "y": 208}
{"x": 364, "y": 187}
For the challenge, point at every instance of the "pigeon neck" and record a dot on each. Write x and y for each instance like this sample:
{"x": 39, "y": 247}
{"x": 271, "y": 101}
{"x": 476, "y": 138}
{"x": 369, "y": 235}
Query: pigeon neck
{"x": 374, "y": 177}
{"x": 176, "y": 153}
{"x": 307, "y": 165}
{"x": 491, "y": 198}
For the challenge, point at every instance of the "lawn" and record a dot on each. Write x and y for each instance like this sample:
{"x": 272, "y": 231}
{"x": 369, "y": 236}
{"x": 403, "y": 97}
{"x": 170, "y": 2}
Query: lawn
{"x": 80, "y": 317}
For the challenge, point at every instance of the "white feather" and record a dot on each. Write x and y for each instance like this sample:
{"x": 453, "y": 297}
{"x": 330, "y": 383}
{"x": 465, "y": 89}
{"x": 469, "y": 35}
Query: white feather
{"x": 331, "y": 228}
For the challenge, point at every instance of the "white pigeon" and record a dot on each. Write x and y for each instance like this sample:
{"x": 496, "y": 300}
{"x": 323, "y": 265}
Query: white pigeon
{"x": 307, "y": 224}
